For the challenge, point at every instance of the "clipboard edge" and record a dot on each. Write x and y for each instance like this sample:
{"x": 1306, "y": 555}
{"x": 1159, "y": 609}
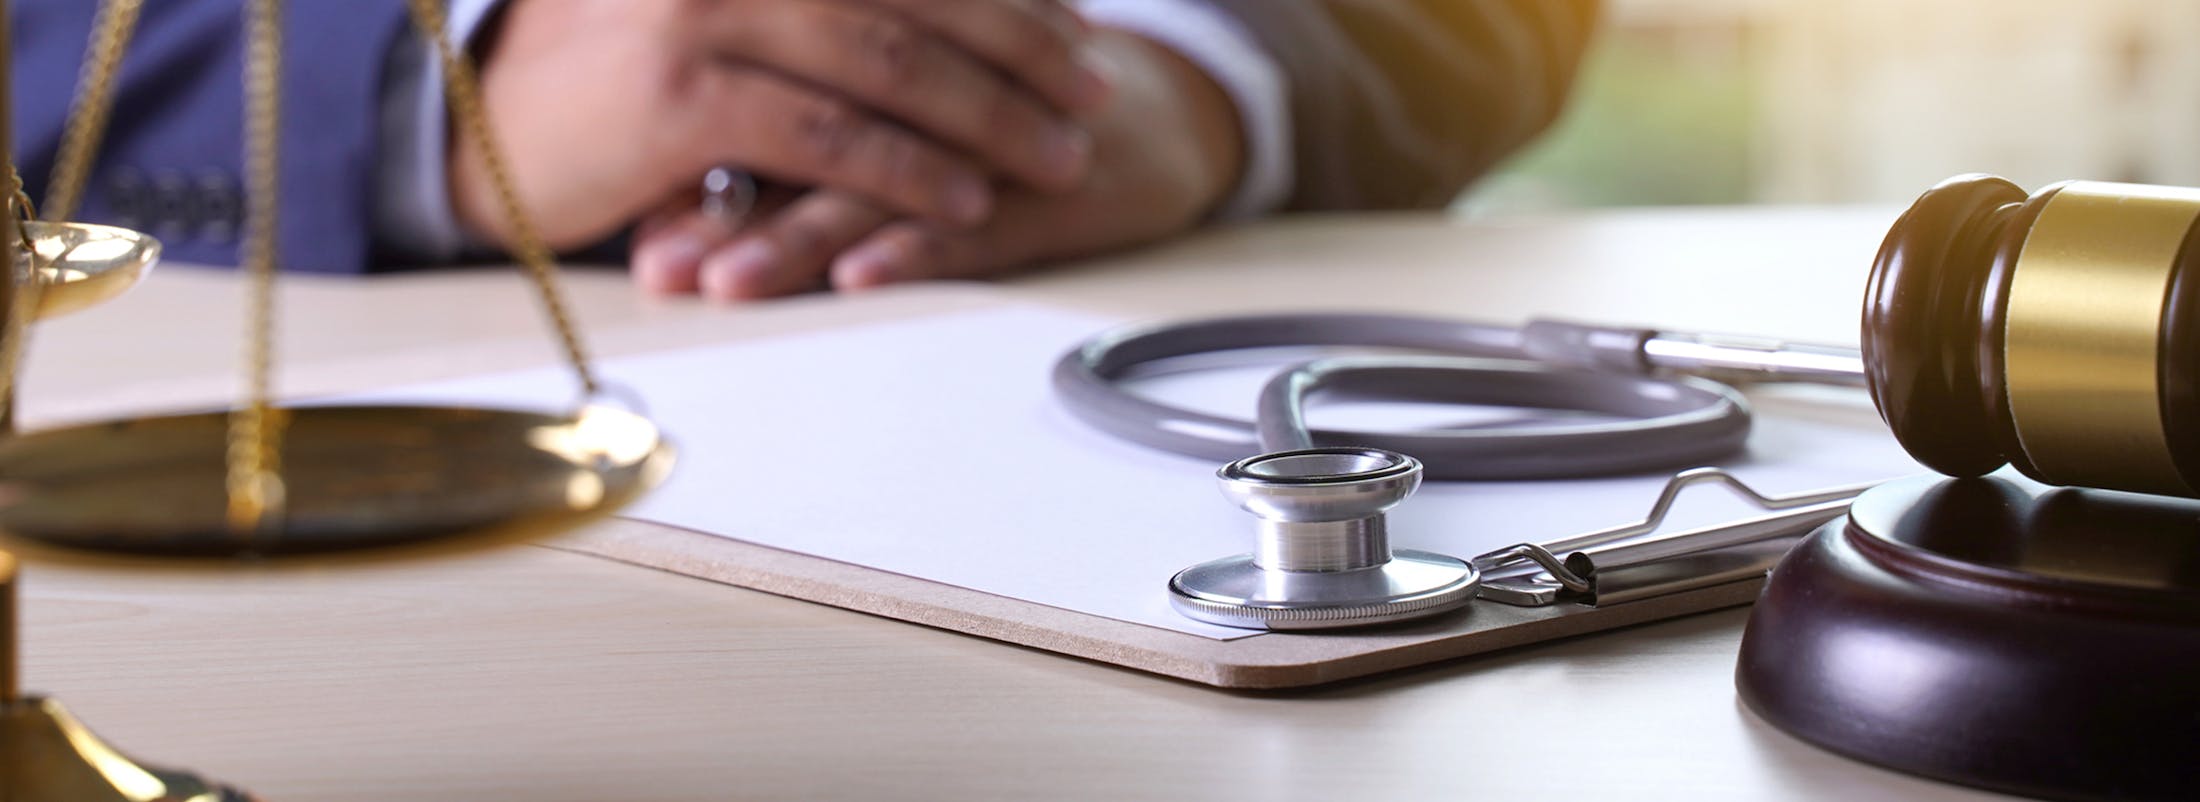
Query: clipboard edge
{"x": 1269, "y": 661}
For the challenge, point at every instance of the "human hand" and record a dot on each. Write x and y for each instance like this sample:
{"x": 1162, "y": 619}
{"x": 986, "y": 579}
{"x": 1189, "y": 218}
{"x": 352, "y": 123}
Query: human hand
{"x": 1165, "y": 152}
{"x": 604, "y": 107}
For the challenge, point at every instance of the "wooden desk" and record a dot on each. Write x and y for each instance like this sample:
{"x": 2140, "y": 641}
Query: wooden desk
{"x": 534, "y": 674}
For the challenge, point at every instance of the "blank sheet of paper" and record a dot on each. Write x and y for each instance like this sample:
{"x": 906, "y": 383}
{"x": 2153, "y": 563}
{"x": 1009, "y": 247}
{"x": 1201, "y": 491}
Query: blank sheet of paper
{"x": 933, "y": 448}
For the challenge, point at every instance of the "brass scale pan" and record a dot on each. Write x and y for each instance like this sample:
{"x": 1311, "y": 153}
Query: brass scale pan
{"x": 356, "y": 477}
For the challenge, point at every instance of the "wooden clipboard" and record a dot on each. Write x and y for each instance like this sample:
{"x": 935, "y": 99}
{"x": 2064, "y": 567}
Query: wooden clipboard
{"x": 1270, "y": 660}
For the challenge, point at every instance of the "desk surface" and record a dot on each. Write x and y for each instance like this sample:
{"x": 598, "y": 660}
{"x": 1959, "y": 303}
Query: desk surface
{"x": 536, "y": 674}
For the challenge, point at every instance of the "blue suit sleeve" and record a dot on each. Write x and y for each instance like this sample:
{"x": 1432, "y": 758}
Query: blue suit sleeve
{"x": 171, "y": 163}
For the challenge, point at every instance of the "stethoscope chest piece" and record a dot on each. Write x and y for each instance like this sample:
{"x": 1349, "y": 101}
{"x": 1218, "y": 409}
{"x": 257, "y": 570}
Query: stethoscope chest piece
{"x": 1323, "y": 558}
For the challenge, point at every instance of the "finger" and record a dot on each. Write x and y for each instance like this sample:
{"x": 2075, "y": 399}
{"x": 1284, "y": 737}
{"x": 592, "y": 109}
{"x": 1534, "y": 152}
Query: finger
{"x": 1039, "y": 42}
{"x": 669, "y": 249}
{"x": 789, "y": 252}
{"x": 671, "y": 242}
{"x": 884, "y": 62}
{"x": 907, "y": 252}
{"x": 777, "y": 128}
{"x": 913, "y": 251}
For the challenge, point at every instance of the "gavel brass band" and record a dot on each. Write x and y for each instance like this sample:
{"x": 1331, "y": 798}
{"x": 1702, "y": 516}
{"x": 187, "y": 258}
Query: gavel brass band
{"x": 2083, "y": 350}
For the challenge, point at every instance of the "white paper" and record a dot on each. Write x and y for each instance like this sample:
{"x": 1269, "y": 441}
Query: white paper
{"x": 933, "y": 448}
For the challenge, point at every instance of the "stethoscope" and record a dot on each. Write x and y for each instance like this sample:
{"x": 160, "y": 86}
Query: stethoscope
{"x": 1322, "y": 557}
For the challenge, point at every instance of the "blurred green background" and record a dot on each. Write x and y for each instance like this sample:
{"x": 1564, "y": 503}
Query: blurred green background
{"x": 1863, "y": 101}
{"x": 1647, "y": 126}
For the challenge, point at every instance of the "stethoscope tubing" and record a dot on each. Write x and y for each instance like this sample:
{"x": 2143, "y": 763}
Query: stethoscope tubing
{"x": 1666, "y": 422}
{"x": 1086, "y": 380}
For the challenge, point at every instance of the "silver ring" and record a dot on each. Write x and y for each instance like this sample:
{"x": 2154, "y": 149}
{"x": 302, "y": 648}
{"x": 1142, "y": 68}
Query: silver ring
{"x": 729, "y": 194}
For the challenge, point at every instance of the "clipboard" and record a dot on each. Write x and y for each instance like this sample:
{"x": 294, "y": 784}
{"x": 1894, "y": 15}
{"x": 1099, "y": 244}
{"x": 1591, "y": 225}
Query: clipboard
{"x": 749, "y": 529}
{"x": 1723, "y": 565}
{"x": 1268, "y": 661}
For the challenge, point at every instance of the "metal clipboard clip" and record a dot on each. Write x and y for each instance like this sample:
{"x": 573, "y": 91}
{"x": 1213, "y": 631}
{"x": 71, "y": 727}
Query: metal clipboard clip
{"x": 1322, "y": 557}
{"x": 1618, "y": 565}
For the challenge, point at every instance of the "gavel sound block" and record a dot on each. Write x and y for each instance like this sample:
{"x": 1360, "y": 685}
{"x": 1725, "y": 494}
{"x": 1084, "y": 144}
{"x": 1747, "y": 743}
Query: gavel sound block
{"x": 2033, "y": 628}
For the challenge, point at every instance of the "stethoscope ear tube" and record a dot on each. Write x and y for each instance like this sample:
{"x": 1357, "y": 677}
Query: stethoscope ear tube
{"x": 1087, "y": 379}
{"x": 1661, "y": 423}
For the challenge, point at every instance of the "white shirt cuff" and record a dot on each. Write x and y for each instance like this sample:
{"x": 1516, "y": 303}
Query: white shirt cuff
{"x": 413, "y": 218}
{"x": 1215, "y": 41}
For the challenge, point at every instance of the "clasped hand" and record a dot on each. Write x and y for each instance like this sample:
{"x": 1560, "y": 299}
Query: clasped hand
{"x": 904, "y": 139}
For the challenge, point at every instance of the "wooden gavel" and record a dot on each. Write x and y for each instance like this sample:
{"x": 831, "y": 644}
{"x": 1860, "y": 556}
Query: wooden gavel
{"x": 2001, "y": 632}
{"x": 2058, "y": 332}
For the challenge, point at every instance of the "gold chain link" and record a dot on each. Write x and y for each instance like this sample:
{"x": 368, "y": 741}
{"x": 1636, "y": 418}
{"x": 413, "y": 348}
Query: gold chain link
{"x": 463, "y": 90}
{"x": 255, "y": 430}
{"x": 29, "y": 292}
{"x": 95, "y": 94}
{"x": 19, "y": 204}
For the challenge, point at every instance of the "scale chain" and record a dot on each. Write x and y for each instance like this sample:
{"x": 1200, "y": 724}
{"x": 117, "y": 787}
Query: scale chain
{"x": 95, "y": 94}
{"x": 254, "y": 477}
{"x": 23, "y": 302}
{"x": 463, "y": 89}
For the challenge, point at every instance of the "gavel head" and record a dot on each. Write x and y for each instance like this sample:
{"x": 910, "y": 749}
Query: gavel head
{"x": 2058, "y": 332}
